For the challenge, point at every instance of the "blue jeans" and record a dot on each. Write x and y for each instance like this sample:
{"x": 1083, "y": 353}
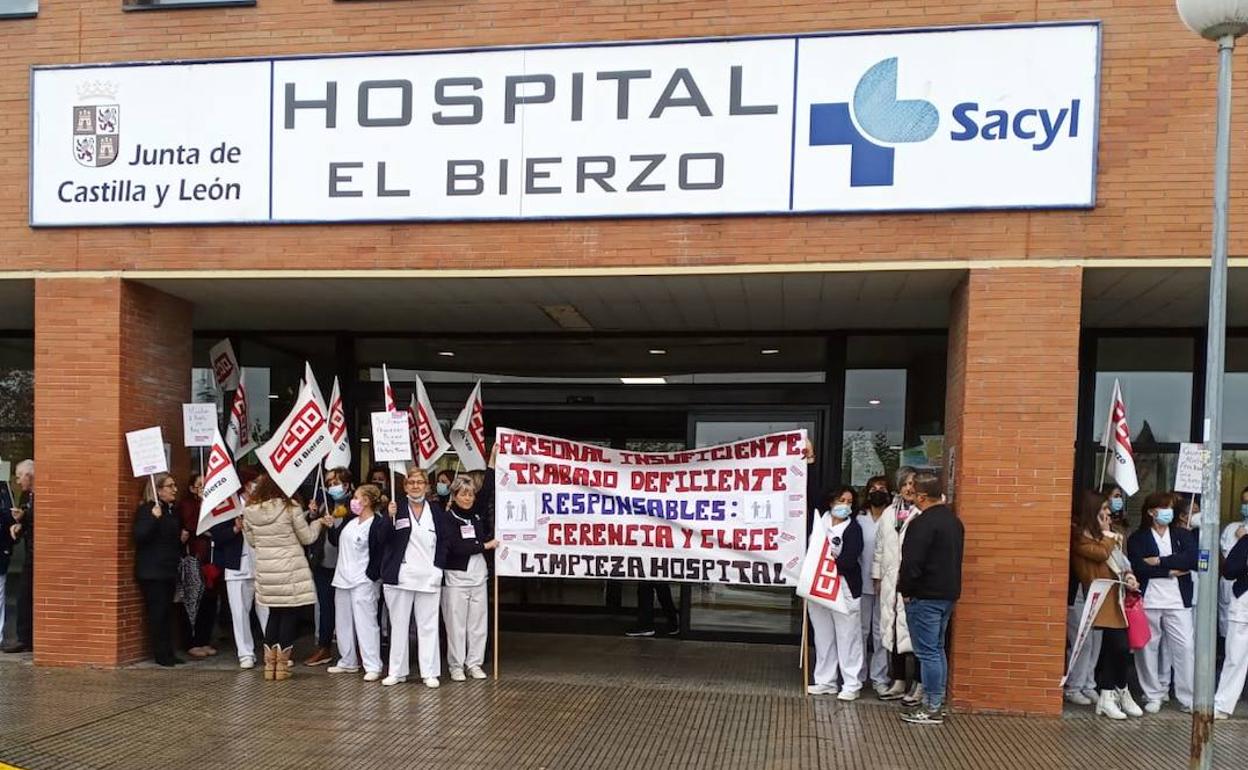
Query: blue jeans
{"x": 928, "y": 620}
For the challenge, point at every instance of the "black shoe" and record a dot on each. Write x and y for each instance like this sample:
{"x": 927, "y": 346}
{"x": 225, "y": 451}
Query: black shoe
{"x": 166, "y": 663}
{"x": 176, "y": 661}
{"x": 14, "y": 647}
{"x": 639, "y": 632}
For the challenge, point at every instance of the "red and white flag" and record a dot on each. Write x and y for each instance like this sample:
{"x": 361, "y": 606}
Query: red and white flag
{"x": 1117, "y": 441}
{"x": 820, "y": 581}
{"x": 298, "y": 445}
{"x": 396, "y": 467}
{"x": 309, "y": 379}
{"x": 238, "y": 432}
{"x": 225, "y": 369}
{"x": 340, "y": 453}
{"x": 220, "y": 502}
{"x": 468, "y": 432}
{"x": 428, "y": 442}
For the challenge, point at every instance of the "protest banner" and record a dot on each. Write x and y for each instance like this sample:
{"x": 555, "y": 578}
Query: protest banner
{"x": 199, "y": 424}
{"x": 1190, "y": 472}
{"x": 221, "y": 484}
{"x": 147, "y": 454}
{"x": 340, "y": 454}
{"x": 398, "y": 467}
{"x": 238, "y": 431}
{"x": 734, "y": 513}
{"x": 298, "y": 445}
{"x": 468, "y": 432}
{"x": 820, "y": 581}
{"x": 391, "y": 442}
{"x": 1097, "y": 592}
{"x": 427, "y": 435}
{"x": 224, "y": 364}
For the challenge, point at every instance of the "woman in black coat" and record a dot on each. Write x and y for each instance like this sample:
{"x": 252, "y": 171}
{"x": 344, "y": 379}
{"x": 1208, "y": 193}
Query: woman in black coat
{"x": 158, "y": 539}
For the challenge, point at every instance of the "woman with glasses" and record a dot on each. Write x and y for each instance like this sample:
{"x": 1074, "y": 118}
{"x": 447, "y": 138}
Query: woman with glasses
{"x": 158, "y": 539}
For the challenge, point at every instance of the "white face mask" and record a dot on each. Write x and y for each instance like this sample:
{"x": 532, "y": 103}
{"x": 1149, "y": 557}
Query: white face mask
{"x": 1193, "y": 521}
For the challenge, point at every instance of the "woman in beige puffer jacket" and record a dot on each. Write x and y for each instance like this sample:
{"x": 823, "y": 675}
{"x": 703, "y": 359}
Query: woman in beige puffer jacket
{"x": 277, "y": 532}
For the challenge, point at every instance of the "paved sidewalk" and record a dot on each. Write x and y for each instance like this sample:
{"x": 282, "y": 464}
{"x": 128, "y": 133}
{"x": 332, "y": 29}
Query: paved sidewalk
{"x": 563, "y": 702}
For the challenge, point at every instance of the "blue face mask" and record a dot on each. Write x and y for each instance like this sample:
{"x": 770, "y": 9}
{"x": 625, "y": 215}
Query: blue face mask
{"x": 337, "y": 491}
{"x": 444, "y": 489}
{"x": 1115, "y": 504}
{"x": 1243, "y": 510}
{"x": 841, "y": 511}
{"x": 1164, "y": 516}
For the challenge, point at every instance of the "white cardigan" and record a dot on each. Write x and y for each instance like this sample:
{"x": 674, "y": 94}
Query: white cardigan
{"x": 894, "y": 632}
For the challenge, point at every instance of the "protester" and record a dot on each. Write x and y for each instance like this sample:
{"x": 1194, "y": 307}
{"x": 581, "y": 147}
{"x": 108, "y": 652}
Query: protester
{"x": 1117, "y": 507}
{"x": 1235, "y": 666}
{"x": 359, "y": 544}
{"x": 1096, "y": 554}
{"x": 1162, "y": 557}
{"x": 1080, "y": 686}
{"x": 323, "y": 556}
{"x": 877, "y": 496}
{"x": 236, "y": 558}
{"x": 464, "y": 598}
{"x": 885, "y": 565}
{"x": 158, "y": 539}
{"x": 442, "y": 487}
{"x": 198, "y": 635}
{"x": 7, "y": 525}
{"x": 1230, "y": 535}
{"x": 930, "y": 581}
{"x": 412, "y": 577}
{"x": 276, "y": 529}
{"x": 379, "y": 477}
{"x": 838, "y": 635}
{"x": 23, "y": 529}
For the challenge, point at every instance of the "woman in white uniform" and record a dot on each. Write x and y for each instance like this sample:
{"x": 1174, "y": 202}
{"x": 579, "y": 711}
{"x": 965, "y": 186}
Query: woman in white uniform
{"x": 464, "y": 598}
{"x": 838, "y": 635}
{"x": 1235, "y": 668}
{"x": 360, "y": 543}
{"x": 411, "y": 574}
{"x": 238, "y": 561}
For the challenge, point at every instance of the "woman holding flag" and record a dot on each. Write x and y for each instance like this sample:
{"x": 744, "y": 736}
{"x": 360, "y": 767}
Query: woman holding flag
{"x": 838, "y": 635}
{"x": 1096, "y": 554}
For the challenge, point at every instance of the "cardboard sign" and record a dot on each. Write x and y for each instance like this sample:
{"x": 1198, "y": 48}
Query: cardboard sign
{"x": 1189, "y": 473}
{"x": 199, "y": 424}
{"x": 147, "y": 451}
{"x": 391, "y": 442}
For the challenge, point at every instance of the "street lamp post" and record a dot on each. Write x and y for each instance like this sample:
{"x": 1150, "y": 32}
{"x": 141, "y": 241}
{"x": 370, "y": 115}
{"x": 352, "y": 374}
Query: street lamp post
{"x": 1222, "y": 21}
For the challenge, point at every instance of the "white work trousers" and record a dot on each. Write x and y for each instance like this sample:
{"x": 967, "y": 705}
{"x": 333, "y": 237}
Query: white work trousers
{"x": 838, "y": 644}
{"x": 877, "y": 667}
{"x": 1234, "y": 668}
{"x": 1172, "y": 628}
{"x": 355, "y": 617}
{"x": 465, "y": 612}
{"x": 403, "y": 605}
{"x": 242, "y": 597}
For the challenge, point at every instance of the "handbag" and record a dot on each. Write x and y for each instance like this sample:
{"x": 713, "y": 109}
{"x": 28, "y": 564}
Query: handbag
{"x": 190, "y": 586}
{"x": 1138, "y": 634}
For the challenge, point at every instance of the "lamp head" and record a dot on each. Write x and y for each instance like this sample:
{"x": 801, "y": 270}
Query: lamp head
{"x": 1215, "y": 19}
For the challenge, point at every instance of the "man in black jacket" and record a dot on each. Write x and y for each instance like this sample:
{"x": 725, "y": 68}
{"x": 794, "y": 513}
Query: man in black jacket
{"x": 930, "y": 581}
{"x": 23, "y": 528}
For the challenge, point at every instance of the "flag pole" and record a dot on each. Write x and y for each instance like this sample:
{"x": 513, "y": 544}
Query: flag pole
{"x": 152, "y": 478}
{"x": 805, "y": 655}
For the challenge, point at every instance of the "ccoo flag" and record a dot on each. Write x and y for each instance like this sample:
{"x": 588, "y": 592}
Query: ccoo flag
{"x": 1117, "y": 442}
{"x": 468, "y": 432}
{"x": 298, "y": 445}
{"x": 428, "y": 442}
{"x": 392, "y": 405}
{"x": 340, "y": 453}
{"x": 238, "y": 432}
{"x": 820, "y": 581}
{"x": 220, "y": 499}
{"x": 225, "y": 369}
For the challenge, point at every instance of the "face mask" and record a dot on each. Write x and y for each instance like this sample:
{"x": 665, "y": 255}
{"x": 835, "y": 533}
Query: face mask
{"x": 1115, "y": 504}
{"x": 337, "y": 491}
{"x": 841, "y": 511}
{"x": 1243, "y": 510}
{"x": 443, "y": 488}
{"x": 1164, "y": 516}
{"x": 878, "y": 498}
{"x": 357, "y": 507}
{"x": 1193, "y": 521}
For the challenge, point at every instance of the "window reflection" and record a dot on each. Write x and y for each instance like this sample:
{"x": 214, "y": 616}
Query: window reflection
{"x": 1156, "y": 379}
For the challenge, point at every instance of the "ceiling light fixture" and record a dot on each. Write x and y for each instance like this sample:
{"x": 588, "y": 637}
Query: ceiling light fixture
{"x": 643, "y": 380}
{"x": 658, "y": 352}
{"x": 874, "y": 402}
{"x": 447, "y": 353}
{"x": 770, "y": 351}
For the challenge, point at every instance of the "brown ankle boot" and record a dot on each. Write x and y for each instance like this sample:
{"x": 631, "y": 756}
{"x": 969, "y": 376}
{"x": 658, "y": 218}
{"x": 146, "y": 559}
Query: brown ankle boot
{"x": 282, "y": 670}
{"x": 270, "y": 662}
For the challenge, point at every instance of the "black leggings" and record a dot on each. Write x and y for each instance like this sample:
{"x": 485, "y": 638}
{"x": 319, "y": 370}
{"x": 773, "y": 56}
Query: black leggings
{"x": 281, "y": 626}
{"x": 158, "y": 598}
{"x": 1111, "y": 666}
{"x": 904, "y": 667}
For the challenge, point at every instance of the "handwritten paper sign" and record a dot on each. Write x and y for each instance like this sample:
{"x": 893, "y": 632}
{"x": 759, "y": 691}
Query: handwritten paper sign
{"x": 199, "y": 424}
{"x": 391, "y": 441}
{"x": 1190, "y": 473}
{"x": 147, "y": 451}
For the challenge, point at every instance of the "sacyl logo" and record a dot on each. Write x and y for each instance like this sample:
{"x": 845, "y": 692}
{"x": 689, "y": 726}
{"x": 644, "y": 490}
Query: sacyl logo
{"x": 881, "y": 116}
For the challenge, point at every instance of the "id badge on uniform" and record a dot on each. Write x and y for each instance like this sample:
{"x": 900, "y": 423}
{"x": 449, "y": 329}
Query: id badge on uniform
{"x": 403, "y": 524}
{"x": 467, "y": 532}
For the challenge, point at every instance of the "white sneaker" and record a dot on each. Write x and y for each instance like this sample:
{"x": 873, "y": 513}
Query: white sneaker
{"x": 372, "y": 676}
{"x": 848, "y": 695}
{"x": 391, "y": 681}
{"x": 1152, "y": 706}
{"x": 432, "y": 682}
{"x": 1078, "y": 698}
{"x": 1107, "y": 705}
{"x": 1220, "y": 715}
{"x": 1127, "y": 704}
{"x": 915, "y": 697}
{"x": 896, "y": 691}
{"x": 247, "y": 663}
{"x": 475, "y": 672}
{"x": 822, "y": 689}
{"x": 881, "y": 690}
{"x": 342, "y": 670}
{"x": 457, "y": 675}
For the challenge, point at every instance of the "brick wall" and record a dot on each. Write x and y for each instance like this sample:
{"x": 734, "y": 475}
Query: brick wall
{"x": 1154, "y": 168}
{"x": 1010, "y": 424}
{"x": 110, "y": 357}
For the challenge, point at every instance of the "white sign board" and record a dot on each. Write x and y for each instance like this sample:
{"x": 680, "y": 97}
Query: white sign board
{"x": 990, "y": 117}
{"x": 6, "y": 471}
{"x": 391, "y": 441}
{"x": 1189, "y": 473}
{"x": 199, "y": 424}
{"x": 147, "y": 451}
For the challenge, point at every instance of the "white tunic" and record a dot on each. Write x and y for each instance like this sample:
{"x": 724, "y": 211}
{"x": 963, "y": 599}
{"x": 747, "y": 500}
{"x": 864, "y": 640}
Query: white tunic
{"x": 417, "y": 572}
{"x": 869, "y": 526}
{"x": 1163, "y": 593}
{"x": 352, "y": 565}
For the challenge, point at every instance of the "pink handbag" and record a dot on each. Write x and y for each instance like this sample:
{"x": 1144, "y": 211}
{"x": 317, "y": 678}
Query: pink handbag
{"x": 1138, "y": 634}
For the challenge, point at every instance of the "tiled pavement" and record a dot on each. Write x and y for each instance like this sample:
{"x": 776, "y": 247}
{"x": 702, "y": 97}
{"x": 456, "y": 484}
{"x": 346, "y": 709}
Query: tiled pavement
{"x": 562, "y": 702}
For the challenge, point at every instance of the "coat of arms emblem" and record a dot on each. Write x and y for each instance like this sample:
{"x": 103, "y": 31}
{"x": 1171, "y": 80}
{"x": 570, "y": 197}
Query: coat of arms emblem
{"x": 97, "y": 126}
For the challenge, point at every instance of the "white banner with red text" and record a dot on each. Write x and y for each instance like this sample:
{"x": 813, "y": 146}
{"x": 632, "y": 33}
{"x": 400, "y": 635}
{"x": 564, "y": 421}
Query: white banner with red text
{"x": 734, "y": 513}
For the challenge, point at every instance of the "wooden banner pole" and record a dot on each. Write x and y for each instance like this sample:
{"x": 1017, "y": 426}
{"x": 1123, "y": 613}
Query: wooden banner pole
{"x": 495, "y": 624}
{"x": 805, "y": 654}
{"x": 152, "y": 478}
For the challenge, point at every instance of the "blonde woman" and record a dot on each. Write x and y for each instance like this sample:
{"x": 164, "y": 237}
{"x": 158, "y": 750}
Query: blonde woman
{"x": 359, "y": 543}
